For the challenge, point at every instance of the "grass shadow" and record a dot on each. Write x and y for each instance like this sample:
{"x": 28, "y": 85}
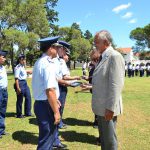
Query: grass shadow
{"x": 10, "y": 114}
{"x": 25, "y": 137}
{"x": 33, "y": 121}
{"x": 73, "y": 136}
{"x": 74, "y": 121}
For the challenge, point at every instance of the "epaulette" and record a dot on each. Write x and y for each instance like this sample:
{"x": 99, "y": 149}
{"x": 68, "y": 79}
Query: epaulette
{"x": 17, "y": 66}
{"x": 50, "y": 60}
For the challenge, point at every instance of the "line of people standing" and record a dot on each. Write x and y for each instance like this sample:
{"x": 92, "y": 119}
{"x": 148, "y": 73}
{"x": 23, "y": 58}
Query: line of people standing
{"x": 21, "y": 88}
{"x": 132, "y": 70}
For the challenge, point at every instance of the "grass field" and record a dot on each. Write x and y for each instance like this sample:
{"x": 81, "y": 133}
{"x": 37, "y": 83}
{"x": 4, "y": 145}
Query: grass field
{"x": 133, "y": 126}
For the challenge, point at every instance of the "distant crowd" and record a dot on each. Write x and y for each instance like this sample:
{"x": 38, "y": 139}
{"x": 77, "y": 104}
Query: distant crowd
{"x": 140, "y": 70}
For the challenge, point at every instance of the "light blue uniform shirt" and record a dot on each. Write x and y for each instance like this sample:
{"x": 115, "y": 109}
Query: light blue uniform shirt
{"x": 65, "y": 69}
{"x": 3, "y": 77}
{"x": 44, "y": 77}
{"x": 61, "y": 67}
{"x": 20, "y": 72}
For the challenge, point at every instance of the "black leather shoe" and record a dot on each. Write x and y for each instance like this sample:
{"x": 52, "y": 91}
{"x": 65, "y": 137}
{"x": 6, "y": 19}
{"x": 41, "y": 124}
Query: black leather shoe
{"x": 29, "y": 115}
{"x": 21, "y": 116}
{"x": 64, "y": 126}
{"x": 98, "y": 141}
{"x": 60, "y": 146}
{"x": 95, "y": 124}
{"x": 5, "y": 133}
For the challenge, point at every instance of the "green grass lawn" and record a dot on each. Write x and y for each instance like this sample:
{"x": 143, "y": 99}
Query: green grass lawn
{"x": 133, "y": 126}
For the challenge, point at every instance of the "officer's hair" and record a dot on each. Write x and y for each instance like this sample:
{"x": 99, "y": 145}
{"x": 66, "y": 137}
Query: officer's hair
{"x": 44, "y": 48}
{"x": 94, "y": 55}
{"x": 105, "y": 36}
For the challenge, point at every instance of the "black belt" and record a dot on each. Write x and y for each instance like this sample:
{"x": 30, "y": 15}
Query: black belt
{"x": 41, "y": 101}
{"x": 3, "y": 88}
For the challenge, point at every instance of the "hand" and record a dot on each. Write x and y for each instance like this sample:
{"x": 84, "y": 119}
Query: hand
{"x": 85, "y": 78}
{"x": 57, "y": 117}
{"x": 108, "y": 115}
{"x": 18, "y": 91}
{"x": 67, "y": 83}
{"x": 59, "y": 104}
{"x": 85, "y": 87}
{"x": 77, "y": 78}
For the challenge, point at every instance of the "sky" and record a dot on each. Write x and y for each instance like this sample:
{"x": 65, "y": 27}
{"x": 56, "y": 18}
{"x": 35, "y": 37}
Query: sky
{"x": 119, "y": 17}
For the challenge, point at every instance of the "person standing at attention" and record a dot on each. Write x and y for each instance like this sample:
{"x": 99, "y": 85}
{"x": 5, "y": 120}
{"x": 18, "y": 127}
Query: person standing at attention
{"x": 22, "y": 89}
{"x": 46, "y": 93}
{"x": 107, "y": 85}
{"x": 3, "y": 93}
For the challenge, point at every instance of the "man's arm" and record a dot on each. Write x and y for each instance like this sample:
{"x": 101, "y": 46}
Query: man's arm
{"x": 116, "y": 82}
{"x": 52, "y": 99}
{"x": 18, "y": 90}
{"x": 67, "y": 77}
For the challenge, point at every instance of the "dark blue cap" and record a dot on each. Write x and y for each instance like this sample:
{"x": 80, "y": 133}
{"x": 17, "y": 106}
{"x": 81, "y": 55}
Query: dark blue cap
{"x": 21, "y": 56}
{"x": 3, "y": 53}
{"x": 45, "y": 43}
{"x": 65, "y": 44}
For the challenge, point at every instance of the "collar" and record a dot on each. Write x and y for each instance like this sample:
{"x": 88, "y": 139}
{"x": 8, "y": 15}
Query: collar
{"x": 105, "y": 52}
{"x": 1, "y": 66}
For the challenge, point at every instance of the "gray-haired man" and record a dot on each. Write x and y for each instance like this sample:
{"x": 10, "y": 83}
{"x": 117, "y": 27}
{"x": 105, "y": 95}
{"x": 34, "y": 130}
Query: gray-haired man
{"x": 107, "y": 84}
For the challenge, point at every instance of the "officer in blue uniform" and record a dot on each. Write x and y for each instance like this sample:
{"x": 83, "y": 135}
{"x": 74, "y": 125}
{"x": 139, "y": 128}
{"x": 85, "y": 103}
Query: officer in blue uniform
{"x": 46, "y": 92}
{"x": 63, "y": 89}
{"x": 3, "y": 93}
{"x": 22, "y": 89}
{"x": 63, "y": 75}
{"x": 60, "y": 71}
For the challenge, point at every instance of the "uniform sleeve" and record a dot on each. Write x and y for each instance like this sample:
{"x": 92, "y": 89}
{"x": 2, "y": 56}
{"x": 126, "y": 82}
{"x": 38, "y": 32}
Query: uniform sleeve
{"x": 116, "y": 81}
{"x": 64, "y": 69}
{"x": 17, "y": 72}
{"x": 49, "y": 77}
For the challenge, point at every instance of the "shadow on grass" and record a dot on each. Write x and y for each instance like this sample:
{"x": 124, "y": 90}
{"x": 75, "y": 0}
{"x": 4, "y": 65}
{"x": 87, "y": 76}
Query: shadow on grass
{"x": 74, "y": 121}
{"x": 73, "y": 136}
{"x": 33, "y": 121}
{"x": 25, "y": 137}
{"x": 10, "y": 114}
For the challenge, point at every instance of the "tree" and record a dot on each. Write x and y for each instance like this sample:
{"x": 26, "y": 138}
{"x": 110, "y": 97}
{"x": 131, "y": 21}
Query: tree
{"x": 142, "y": 37}
{"x": 80, "y": 49}
{"x": 77, "y": 27}
{"x": 27, "y": 20}
{"x": 88, "y": 35}
{"x": 52, "y": 15}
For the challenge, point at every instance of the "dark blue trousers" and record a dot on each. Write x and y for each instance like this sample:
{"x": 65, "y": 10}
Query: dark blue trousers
{"x": 62, "y": 98}
{"x": 3, "y": 106}
{"x": 47, "y": 129}
{"x": 25, "y": 92}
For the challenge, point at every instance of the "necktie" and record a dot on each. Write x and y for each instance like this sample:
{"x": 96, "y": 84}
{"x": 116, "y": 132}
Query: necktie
{"x": 100, "y": 58}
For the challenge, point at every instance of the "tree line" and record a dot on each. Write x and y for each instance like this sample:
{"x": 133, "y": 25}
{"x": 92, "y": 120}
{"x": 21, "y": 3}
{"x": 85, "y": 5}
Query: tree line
{"x": 23, "y": 22}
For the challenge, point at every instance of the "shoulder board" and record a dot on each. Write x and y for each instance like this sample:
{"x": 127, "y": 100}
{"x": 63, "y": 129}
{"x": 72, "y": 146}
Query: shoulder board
{"x": 50, "y": 60}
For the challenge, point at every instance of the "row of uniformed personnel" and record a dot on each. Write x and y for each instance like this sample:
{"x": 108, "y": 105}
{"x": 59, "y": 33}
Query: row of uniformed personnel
{"x": 21, "y": 88}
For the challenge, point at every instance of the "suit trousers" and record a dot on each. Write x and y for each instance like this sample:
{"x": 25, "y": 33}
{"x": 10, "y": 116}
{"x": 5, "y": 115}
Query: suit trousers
{"x": 107, "y": 131}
